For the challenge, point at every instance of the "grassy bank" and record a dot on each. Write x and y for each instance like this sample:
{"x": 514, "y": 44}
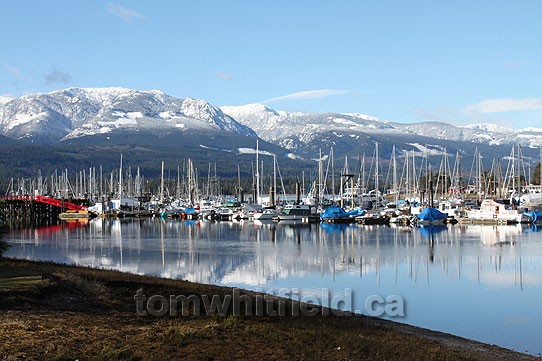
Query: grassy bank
{"x": 57, "y": 312}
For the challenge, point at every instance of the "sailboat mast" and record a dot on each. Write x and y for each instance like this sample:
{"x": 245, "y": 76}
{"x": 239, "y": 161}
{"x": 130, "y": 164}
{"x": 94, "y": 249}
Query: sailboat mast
{"x": 320, "y": 171}
{"x": 519, "y": 172}
{"x": 272, "y": 201}
{"x": 257, "y": 194}
{"x": 120, "y": 179}
{"x": 394, "y": 165}
{"x": 376, "y": 175}
{"x": 162, "y": 184}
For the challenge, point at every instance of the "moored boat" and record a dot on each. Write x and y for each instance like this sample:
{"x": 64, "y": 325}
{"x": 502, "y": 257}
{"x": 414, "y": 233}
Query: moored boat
{"x": 335, "y": 214}
{"x": 76, "y": 214}
{"x": 298, "y": 213}
{"x": 431, "y": 216}
{"x": 498, "y": 212}
{"x": 265, "y": 215}
{"x": 373, "y": 218}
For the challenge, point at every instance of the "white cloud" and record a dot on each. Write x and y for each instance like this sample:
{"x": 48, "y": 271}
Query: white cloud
{"x": 56, "y": 76}
{"x": 307, "y": 94}
{"x": 128, "y": 15}
{"x": 14, "y": 69}
{"x": 223, "y": 76}
{"x": 505, "y": 105}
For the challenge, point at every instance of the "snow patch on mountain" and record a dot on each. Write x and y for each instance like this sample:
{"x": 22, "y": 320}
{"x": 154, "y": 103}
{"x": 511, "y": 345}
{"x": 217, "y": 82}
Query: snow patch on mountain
{"x": 21, "y": 119}
{"x": 531, "y": 130}
{"x": 4, "y": 99}
{"x": 489, "y": 127}
{"x": 211, "y": 148}
{"x": 293, "y": 156}
{"x": 364, "y": 117}
{"x": 426, "y": 150}
{"x": 253, "y": 151}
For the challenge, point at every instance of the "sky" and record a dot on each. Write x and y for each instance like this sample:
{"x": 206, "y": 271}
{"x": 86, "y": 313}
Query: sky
{"x": 459, "y": 62}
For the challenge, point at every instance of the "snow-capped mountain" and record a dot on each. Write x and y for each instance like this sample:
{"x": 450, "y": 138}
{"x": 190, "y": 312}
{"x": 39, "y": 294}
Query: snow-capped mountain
{"x": 294, "y": 130}
{"x": 77, "y": 112}
{"x": 107, "y": 116}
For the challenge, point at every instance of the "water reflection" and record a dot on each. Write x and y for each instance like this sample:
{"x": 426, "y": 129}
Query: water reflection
{"x": 181, "y": 249}
{"x": 486, "y": 277}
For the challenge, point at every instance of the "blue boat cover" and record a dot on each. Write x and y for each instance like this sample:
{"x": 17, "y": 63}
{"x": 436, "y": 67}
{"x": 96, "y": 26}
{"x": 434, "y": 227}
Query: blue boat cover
{"x": 535, "y": 215}
{"x": 431, "y": 214}
{"x": 335, "y": 212}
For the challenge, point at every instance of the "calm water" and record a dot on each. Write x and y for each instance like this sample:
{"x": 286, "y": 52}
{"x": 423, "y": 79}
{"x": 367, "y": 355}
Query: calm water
{"x": 479, "y": 282}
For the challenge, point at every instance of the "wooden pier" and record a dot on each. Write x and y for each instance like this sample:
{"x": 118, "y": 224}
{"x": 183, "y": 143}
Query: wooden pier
{"x": 21, "y": 211}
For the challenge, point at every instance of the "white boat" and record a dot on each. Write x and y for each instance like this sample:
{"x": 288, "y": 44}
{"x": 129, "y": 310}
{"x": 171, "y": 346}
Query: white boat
{"x": 531, "y": 200}
{"x": 265, "y": 215}
{"x": 298, "y": 212}
{"x": 223, "y": 214}
{"x": 491, "y": 210}
{"x": 452, "y": 208}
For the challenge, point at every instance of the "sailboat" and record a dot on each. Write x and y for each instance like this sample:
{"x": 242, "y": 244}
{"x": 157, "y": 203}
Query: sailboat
{"x": 499, "y": 211}
{"x": 374, "y": 217}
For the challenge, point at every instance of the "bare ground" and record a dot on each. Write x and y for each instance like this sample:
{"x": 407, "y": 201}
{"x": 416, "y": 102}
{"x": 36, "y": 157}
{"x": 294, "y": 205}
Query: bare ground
{"x": 57, "y": 312}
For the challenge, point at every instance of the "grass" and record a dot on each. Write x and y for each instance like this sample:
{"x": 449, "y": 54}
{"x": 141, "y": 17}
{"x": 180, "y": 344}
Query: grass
{"x": 14, "y": 282}
{"x": 87, "y": 314}
{"x": 14, "y": 277}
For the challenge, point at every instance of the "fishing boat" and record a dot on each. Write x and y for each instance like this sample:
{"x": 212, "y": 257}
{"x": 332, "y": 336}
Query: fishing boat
{"x": 298, "y": 213}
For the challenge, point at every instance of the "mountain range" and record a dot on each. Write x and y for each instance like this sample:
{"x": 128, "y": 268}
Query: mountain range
{"x": 297, "y": 131}
{"x": 109, "y": 117}
{"x": 77, "y": 112}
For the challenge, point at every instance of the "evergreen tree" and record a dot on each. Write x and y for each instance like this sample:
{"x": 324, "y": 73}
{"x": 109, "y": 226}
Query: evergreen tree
{"x": 536, "y": 174}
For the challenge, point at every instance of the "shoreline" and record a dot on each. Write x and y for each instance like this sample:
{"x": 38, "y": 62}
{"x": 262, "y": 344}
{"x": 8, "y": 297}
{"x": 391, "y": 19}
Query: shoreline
{"x": 67, "y": 312}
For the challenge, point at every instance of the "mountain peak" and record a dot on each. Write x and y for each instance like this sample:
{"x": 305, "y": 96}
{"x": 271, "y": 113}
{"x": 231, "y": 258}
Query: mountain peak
{"x": 252, "y": 108}
{"x": 200, "y": 109}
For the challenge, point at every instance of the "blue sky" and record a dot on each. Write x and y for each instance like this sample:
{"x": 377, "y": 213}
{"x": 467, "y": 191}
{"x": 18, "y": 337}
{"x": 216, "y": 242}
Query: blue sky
{"x": 408, "y": 61}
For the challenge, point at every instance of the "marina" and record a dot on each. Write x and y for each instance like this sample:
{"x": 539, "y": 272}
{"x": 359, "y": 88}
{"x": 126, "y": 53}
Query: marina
{"x": 376, "y": 160}
{"x": 477, "y": 281}
{"x": 418, "y": 196}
